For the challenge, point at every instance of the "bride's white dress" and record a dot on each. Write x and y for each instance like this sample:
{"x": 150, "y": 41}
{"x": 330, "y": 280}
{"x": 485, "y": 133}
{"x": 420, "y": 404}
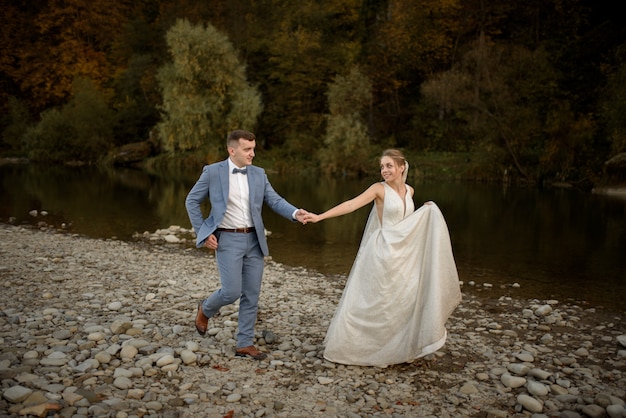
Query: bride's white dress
{"x": 401, "y": 290}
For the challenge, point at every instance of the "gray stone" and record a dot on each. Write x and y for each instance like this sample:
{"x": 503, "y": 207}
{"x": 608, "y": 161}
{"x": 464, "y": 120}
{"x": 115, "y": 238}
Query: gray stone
{"x": 536, "y": 388}
{"x": 512, "y": 381}
{"x": 518, "y": 369}
{"x": 529, "y": 403}
{"x": 616, "y": 411}
{"x": 122, "y": 383}
{"x": 62, "y": 334}
{"x": 543, "y": 310}
{"x": 539, "y": 374}
{"x": 593, "y": 411}
{"x": 16, "y": 393}
{"x": 188, "y": 357}
{"x": 569, "y": 414}
{"x": 468, "y": 389}
{"x": 123, "y": 343}
{"x": 233, "y": 397}
{"x": 120, "y": 326}
{"x": 526, "y": 357}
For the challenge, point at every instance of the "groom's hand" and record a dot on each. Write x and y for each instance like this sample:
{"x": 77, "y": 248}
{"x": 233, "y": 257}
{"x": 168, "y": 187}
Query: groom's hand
{"x": 211, "y": 242}
{"x": 301, "y": 216}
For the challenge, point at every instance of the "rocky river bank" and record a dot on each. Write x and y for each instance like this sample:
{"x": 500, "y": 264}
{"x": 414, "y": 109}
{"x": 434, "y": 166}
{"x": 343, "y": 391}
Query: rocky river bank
{"x": 104, "y": 328}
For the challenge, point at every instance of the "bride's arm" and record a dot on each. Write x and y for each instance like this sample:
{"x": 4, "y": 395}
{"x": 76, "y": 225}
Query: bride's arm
{"x": 349, "y": 206}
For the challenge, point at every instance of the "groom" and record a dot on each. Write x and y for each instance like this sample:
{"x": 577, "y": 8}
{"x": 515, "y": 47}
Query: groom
{"x": 234, "y": 229}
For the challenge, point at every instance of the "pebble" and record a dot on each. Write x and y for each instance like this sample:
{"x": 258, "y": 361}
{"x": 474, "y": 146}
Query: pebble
{"x": 537, "y": 389}
{"x": 518, "y": 369}
{"x": 529, "y": 403}
{"x": 512, "y": 381}
{"x": 616, "y": 411}
{"x": 17, "y": 393}
{"x": 105, "y": 328}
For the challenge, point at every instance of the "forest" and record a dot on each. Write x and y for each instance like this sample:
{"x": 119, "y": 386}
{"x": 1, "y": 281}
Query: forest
{"x": 532, "y": 90}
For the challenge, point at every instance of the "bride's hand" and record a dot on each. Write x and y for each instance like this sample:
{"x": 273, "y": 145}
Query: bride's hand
{"x": 312, "y": 217}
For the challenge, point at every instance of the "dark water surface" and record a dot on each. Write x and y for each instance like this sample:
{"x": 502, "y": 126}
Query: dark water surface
{"x": 559, "y": 244}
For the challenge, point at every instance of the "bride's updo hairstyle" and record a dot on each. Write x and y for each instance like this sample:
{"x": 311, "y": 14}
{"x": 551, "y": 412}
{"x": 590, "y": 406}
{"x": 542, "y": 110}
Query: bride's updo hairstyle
{"x": 399, "y": 159}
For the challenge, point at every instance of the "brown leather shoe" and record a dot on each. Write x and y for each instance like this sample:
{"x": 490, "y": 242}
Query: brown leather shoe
{"x": 250, "y": 351}
{"x": 202, "y": 322}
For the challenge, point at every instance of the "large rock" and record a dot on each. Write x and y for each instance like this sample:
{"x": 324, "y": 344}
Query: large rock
{"x": 16, "y": 393}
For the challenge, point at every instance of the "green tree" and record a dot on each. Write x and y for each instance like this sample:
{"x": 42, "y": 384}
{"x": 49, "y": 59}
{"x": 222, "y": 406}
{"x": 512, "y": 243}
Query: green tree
{"x": 294, "y": 49}
{"x": 136, "y": 99}
{"x": 17, "y": 121}
{"x": 613, "y": 109}
{"x": 80, "y": 131}
{"x": 411, "y": 40}
{"x": 567, "y": 153}
{"x": 347, "y": 148}
{"x": 138, "y": 51}
{"x": 205, "y": 90}
{"x": 504, "y": 95}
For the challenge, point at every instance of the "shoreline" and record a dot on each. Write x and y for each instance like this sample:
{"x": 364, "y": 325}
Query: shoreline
{"x": 90, "y": 325}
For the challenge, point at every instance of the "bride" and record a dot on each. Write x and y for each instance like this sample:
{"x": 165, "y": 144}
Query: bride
{"x": 403, "y": 285}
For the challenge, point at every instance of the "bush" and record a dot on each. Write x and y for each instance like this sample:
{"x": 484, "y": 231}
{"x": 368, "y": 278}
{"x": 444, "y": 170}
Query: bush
{"x": 82, "y": 130}
{"x": 347, "y": 143}
{"x": 16, "y": 122}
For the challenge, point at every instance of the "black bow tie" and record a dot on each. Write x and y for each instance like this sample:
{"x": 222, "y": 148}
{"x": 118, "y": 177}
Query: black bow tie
{"x": 240, "y": 170}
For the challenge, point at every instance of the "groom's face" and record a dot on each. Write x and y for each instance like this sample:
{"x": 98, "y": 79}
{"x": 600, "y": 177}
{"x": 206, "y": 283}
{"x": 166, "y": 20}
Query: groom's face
{"x": 242, "y": 153}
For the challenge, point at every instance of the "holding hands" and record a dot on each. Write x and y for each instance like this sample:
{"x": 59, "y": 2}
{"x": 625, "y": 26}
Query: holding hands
{"x": 304, "y": 217}
{"x": 301, "y": 216}
{"x": 311, "y": 217}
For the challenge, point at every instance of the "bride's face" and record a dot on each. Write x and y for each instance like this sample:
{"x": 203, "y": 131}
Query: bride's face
{"x": 389, "y": 170}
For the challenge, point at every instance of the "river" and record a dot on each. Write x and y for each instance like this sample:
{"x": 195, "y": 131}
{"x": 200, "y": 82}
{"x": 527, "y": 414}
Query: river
{"x": 553, "y": 243}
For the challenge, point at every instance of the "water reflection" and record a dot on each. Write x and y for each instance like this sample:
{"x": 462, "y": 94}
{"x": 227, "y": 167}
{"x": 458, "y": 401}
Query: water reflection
{"x": 555, "y": 243}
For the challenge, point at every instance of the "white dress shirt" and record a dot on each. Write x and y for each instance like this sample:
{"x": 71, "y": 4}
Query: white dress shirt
{"x": 238, "y": 207}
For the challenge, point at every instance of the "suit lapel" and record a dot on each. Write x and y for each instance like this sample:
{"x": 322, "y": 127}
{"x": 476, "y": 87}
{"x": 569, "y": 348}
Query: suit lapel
{"x": 252, "y": 181}
{"x": 223, "y": 170}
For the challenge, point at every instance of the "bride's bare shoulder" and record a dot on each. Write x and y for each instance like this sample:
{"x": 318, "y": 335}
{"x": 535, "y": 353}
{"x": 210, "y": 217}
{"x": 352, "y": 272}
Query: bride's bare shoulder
{"x": 378, "y": 188}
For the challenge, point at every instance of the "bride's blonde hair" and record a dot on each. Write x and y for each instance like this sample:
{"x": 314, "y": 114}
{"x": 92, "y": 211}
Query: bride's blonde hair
{"x": 398, "y": 158}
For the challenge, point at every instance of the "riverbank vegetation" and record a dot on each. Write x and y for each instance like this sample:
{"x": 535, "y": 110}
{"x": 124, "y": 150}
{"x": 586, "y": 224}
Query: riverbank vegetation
{"x": 509, "y": 90}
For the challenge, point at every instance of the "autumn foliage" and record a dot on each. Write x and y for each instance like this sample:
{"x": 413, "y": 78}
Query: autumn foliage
{"x": 534, "y": 87}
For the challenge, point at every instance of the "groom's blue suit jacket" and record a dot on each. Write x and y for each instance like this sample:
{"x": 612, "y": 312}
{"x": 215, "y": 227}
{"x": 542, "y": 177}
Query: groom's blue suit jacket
{"x": 213, "y": 184}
